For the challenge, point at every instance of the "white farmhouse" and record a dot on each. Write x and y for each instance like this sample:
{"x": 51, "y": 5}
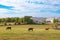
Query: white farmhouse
{"x": 58, "y": 19}
{"x": 49, "y": 20}
{"x": 38, "y": 20}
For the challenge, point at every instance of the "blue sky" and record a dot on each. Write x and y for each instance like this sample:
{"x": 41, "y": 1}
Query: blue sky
{"x": 35, "y": 8}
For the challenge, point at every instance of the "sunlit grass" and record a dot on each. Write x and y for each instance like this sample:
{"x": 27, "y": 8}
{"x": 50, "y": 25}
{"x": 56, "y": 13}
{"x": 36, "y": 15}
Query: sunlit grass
{"x": 21, "y": 32}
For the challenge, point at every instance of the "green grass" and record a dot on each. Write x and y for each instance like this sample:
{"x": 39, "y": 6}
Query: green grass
{"x": 21, "y": 32}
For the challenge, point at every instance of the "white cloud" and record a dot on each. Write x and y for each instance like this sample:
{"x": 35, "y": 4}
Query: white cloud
{"x": 24, "y": 8}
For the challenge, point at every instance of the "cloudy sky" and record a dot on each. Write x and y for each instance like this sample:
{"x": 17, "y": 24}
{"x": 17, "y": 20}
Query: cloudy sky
{"x": 35, "y": 8}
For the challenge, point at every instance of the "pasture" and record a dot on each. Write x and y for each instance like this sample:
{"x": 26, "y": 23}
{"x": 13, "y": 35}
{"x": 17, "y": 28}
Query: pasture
{"x": 20, "y": 32}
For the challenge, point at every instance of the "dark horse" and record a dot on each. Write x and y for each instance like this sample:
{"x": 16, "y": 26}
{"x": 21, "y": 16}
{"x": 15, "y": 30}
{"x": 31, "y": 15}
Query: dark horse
{"x": 8, "y": 28}
{"x": 30, "y": 29}
{"x": 46, "y": 28}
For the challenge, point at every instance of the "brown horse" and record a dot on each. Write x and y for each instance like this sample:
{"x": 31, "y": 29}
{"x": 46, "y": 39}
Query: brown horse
{"x": 47, "y": 28}
{"x": 30, "y": 29}
{"x": 8, "y": 28}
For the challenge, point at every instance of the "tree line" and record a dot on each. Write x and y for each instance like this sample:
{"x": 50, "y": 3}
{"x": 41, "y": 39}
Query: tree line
{"x": 17, "y": 20}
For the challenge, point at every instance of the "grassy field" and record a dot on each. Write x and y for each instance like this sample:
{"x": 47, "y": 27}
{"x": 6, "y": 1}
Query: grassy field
{"x": 20, "y": 32}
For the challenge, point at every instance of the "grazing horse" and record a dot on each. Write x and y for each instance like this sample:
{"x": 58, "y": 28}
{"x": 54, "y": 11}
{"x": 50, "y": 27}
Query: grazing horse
{"x": 8, "y": 28}
{"x": 30, "y": 29}
{"x": 46, "y": 28}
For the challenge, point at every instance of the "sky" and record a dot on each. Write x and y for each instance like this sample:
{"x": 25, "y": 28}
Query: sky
{"x": 35, "y": 8}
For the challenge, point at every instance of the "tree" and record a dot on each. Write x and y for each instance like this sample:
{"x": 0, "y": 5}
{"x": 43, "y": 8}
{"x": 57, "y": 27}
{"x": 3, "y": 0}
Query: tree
{"x": 0, "y": 20}
{"x": 20, "y": 21}
{"x": 44, "y": 21}
{"x": 27, "y": 20}
{"x": 16, "y": 19}
{"x": 55, "y": 22}
{"x": 8, "y": 19}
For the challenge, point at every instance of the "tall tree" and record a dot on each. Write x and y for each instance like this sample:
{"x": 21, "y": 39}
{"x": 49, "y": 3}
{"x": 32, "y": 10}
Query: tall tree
{"x": 55, "y": 22}
{"x": 27, "y": 20}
